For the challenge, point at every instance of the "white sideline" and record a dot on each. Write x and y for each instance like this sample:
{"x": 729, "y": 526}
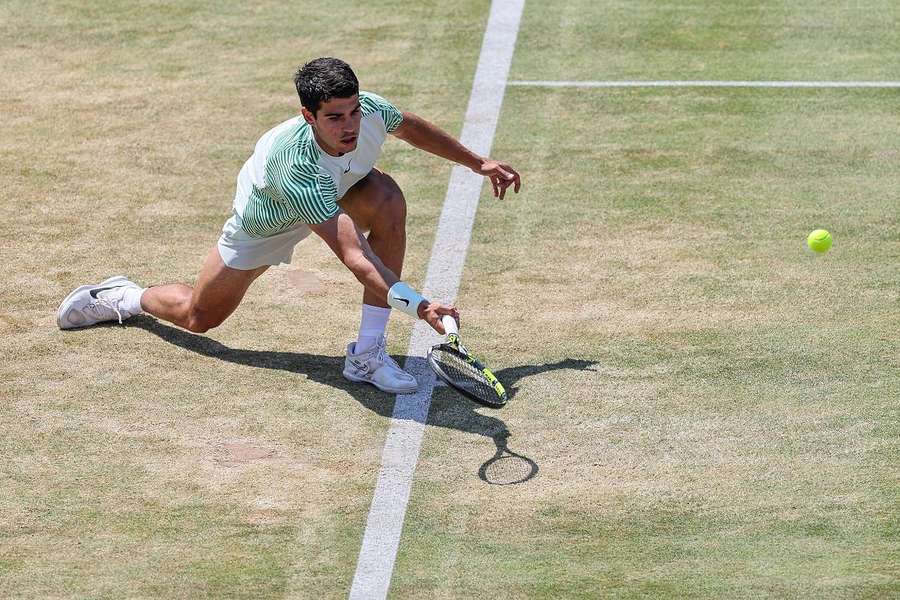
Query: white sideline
{"x": 700, "y": 83}
{"x": 401, "y": 448}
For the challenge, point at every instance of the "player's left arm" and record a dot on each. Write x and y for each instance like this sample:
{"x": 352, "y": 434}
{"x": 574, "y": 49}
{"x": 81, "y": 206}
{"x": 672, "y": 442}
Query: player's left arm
{"x": 427, "y": 136}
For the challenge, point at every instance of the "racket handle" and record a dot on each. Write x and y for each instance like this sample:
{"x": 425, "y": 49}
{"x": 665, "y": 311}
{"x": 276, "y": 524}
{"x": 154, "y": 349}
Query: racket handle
{"x": 450, "y": 326}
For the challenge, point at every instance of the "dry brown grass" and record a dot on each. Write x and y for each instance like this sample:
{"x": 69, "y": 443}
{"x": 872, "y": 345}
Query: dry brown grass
{"x": 145, "y": 461}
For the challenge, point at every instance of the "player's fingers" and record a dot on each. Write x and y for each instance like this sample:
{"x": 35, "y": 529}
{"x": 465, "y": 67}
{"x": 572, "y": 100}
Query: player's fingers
{"x": 504, "y": 171}
{"x": 510, "y": 182}
{"x": 504, "y": 184}
{"x": 446, "y": 309}
{"x": 441, "y": 311}
{"x": 512, "y": 176}
{"x": 517, "y": 179}
{"x": 496, "y": 185}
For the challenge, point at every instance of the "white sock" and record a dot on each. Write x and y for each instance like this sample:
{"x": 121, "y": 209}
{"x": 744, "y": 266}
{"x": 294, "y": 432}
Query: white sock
{"x": 131, "y": 300}
{"x": 374, "y": 322}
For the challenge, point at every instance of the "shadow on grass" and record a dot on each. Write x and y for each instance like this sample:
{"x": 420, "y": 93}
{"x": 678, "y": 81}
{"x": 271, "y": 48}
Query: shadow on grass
{"x": 448, "y": 409}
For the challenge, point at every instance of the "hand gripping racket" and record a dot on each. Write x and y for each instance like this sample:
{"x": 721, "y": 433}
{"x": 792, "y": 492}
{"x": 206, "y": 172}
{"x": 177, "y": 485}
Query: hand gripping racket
{"x": 462, "y": 371}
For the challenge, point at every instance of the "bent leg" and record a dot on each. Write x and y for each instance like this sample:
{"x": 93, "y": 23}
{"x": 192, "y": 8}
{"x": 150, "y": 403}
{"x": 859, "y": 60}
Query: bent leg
{"x": 218, "y": 292}
{"x": 376, "y": 204}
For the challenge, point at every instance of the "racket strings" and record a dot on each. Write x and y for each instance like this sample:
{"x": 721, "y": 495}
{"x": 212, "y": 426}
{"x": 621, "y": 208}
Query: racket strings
{"x": 464, "y": 374}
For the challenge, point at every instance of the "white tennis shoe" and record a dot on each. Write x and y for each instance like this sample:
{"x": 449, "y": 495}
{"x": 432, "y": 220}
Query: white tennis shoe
{"x": 375, "y": 366}
{"x": 91, "y": 304}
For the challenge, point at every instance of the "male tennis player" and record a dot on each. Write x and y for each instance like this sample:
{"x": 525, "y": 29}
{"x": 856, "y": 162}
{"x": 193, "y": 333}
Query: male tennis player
{"x": 315, "y": 172}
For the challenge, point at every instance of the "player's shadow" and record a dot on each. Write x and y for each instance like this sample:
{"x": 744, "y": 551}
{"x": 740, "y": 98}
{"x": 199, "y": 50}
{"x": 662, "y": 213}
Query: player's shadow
{"x": 448, "y": 409}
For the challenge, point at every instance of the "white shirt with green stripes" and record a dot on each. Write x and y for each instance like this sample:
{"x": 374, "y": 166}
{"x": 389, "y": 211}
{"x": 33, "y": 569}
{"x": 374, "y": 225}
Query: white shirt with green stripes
{"x": 290, "y": 180}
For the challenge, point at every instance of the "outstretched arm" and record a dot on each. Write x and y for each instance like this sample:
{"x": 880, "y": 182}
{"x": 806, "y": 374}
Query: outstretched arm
{"x": 427, "y": 136}
{"x": 352, "y": 248}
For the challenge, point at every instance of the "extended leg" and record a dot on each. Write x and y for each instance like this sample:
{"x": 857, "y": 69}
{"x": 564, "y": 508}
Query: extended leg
{"x": 218, "y": 292}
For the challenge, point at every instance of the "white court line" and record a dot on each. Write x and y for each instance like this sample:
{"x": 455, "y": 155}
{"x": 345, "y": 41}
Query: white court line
{"x": 401, "y": 448}
{"x": 700, "y": 83}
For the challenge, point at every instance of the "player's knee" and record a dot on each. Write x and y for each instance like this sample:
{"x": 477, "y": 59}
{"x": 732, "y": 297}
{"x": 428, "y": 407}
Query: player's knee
{"x": 195, "y": 325}
{"x": 392, "y": 205}
{"x": 200, "y": 321}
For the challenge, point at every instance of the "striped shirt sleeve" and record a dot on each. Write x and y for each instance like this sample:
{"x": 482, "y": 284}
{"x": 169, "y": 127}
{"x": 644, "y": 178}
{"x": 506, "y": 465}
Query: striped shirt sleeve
{"x": 373, "y": 103}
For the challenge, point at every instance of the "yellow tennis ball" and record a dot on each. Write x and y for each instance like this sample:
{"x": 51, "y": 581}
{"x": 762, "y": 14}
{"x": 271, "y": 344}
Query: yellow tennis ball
{"x": 819, "y": 241}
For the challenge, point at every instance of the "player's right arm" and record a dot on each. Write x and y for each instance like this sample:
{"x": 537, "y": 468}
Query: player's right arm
{"x": 352, "y": 248}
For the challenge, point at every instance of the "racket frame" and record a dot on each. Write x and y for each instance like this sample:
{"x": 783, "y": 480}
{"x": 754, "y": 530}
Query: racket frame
{"x": 454, "y": 346}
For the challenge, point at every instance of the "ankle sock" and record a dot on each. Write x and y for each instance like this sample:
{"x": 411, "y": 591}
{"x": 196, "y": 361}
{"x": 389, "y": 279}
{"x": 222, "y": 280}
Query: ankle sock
{"x": 374, "y": 322}
{"x": 131, "y": 300}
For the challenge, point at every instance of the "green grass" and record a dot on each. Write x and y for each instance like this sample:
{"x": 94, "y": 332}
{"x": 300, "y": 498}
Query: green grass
{"x": 737, "y": 436}
{"x": 768, "y": 40}
{"x": 713, "y": 408}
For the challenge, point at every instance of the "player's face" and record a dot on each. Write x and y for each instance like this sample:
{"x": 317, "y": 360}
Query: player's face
{"x": 336, "y": 124}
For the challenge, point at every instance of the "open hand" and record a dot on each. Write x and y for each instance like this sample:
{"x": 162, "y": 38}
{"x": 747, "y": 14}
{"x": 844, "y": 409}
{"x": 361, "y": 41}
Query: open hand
{"x": 501, "y": 175}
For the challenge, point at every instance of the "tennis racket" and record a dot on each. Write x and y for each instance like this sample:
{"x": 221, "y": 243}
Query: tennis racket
{"x": 462, "y": 371}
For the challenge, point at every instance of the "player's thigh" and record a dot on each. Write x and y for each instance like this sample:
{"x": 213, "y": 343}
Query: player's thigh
{"x": 376, "y": 196}
{"x": 220, "y": 288}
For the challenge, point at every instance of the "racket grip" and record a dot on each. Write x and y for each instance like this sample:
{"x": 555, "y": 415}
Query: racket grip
{"x": 450, "y": 326}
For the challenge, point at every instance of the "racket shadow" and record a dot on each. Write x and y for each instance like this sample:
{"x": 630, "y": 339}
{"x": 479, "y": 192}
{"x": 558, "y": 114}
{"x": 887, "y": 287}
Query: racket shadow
{"x": 506, "y": 467}
{"x": 511, "y": 376}
{"x": 448, "y": 409}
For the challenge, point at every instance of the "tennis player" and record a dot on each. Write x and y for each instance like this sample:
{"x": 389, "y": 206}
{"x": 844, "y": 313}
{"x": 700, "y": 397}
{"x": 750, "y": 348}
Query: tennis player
{"x": 313, "y": 173}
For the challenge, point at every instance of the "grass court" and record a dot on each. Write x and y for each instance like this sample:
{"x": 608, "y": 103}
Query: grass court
{"x": 712, "y": 408}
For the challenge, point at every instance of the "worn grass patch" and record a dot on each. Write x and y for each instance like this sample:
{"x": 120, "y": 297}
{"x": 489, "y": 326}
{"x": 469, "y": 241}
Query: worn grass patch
{"x": 145, "y": 461}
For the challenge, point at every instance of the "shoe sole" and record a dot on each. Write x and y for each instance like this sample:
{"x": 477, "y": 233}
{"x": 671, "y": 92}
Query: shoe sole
{"x": 383, "y": 389}
{"x": 76, "y": 291}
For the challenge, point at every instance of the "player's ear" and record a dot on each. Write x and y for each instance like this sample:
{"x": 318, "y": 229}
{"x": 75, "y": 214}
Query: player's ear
{"x": 307, "y": 116}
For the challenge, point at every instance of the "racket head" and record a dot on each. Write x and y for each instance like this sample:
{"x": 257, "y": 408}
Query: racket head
{"x": 467, "y": 375}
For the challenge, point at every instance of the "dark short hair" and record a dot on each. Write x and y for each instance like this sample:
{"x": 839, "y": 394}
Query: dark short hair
{"x": 322, "y": 79}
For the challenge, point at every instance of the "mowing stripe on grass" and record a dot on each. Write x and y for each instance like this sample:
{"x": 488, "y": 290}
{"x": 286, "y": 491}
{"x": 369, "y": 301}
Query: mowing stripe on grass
{"x": 700, "y": 83}
{"x": 401, "y": 448}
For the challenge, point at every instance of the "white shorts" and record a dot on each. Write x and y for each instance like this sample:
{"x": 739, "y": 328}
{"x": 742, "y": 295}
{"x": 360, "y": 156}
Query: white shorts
{"x": 242, "y": 251}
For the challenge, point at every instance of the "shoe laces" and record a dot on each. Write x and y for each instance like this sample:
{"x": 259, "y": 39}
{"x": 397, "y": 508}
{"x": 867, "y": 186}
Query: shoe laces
{"x": 381, "y": 352}
{"x": 101, "y": 301}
